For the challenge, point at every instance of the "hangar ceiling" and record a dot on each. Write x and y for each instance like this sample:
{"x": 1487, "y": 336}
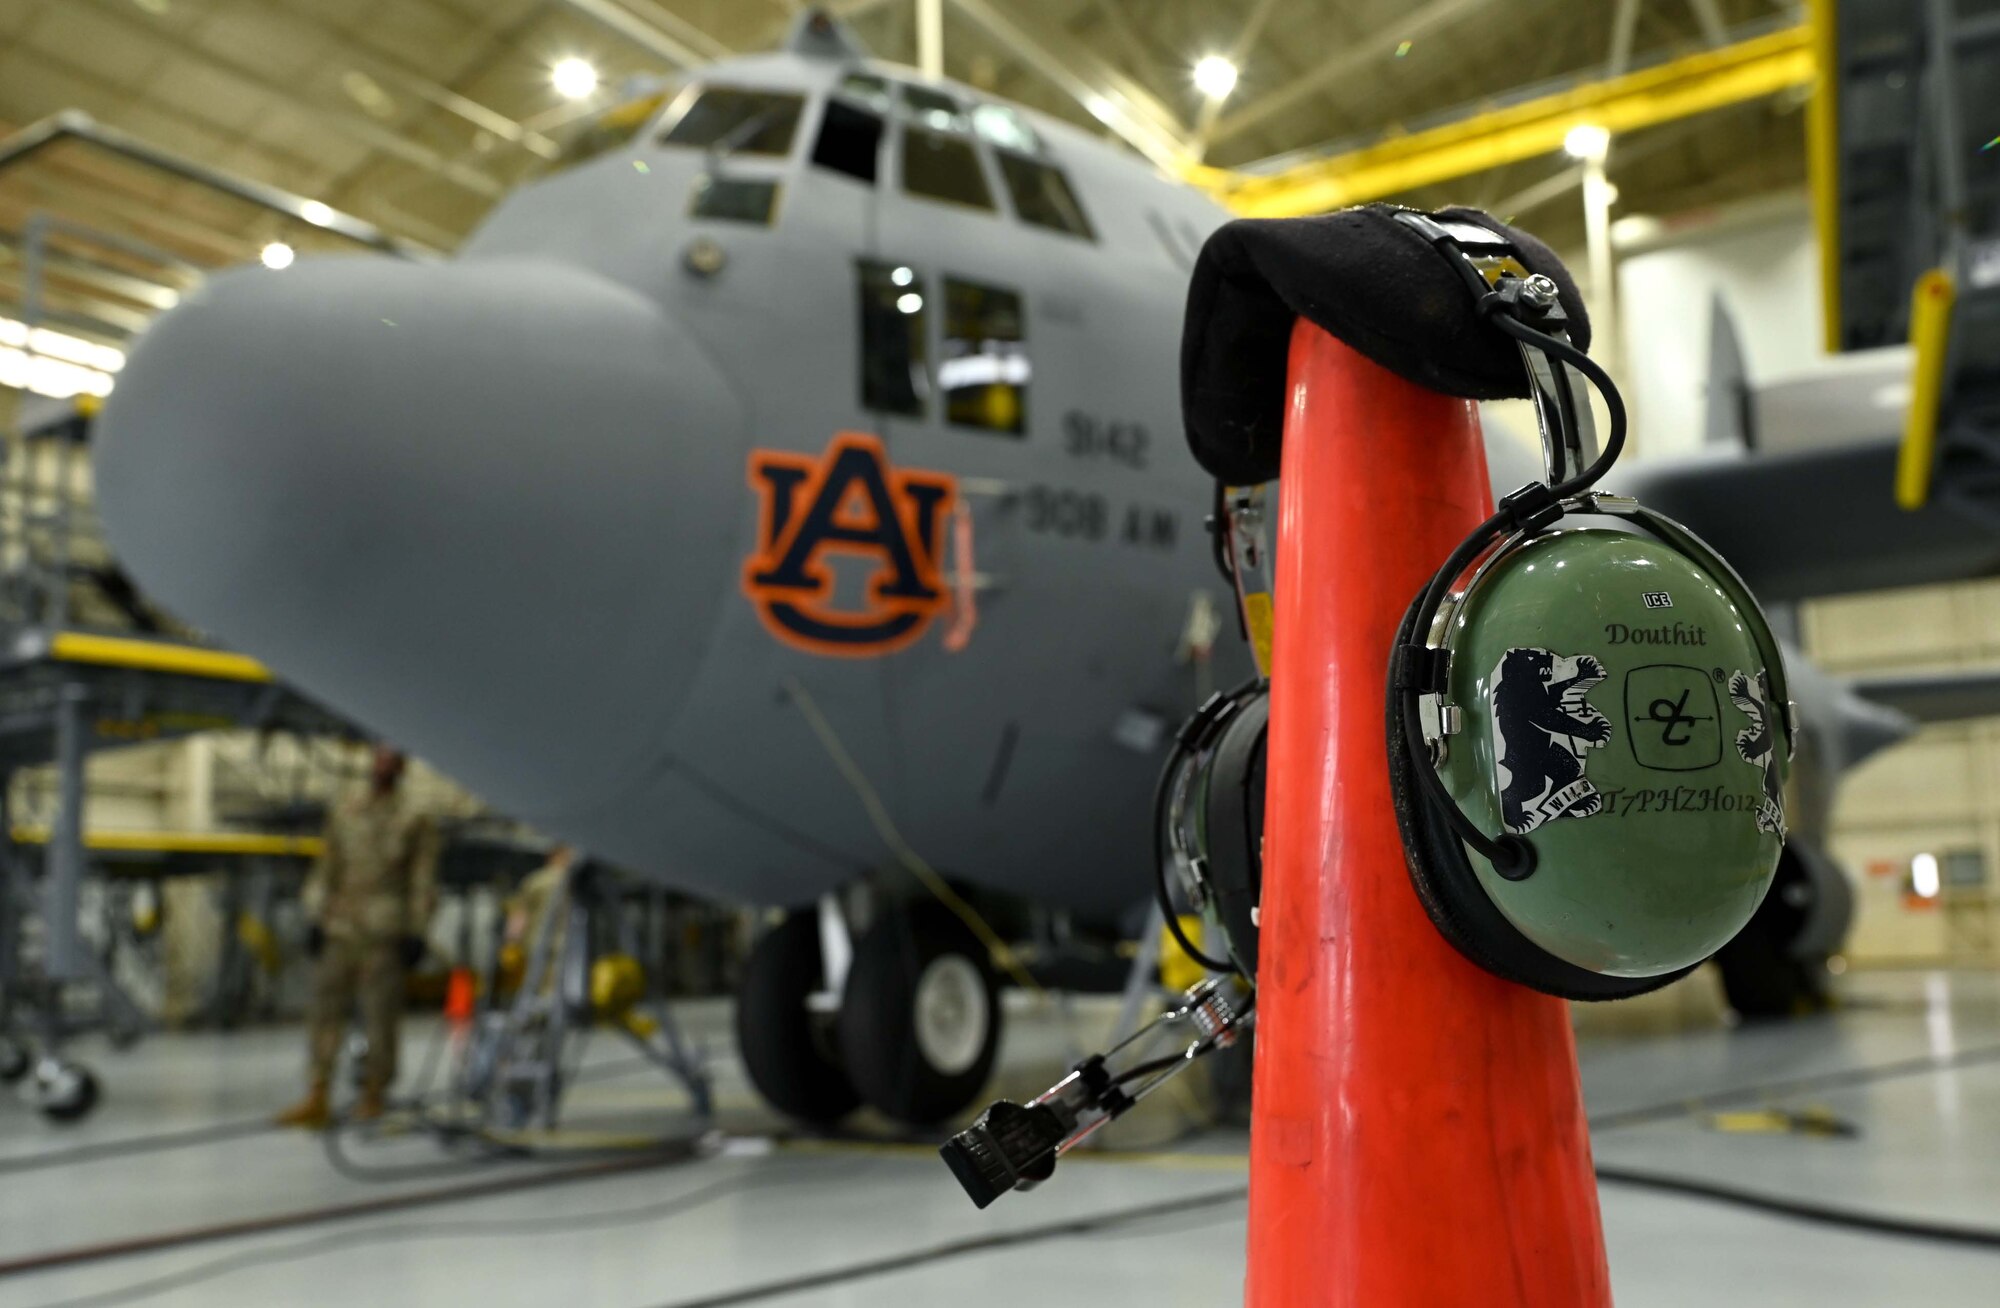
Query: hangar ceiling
{"x": 416, "y": 115}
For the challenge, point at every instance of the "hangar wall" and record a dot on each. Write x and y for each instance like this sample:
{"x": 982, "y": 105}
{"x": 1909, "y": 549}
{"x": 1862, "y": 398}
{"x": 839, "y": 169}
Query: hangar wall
{"x": 1937, "y": 794}
{"x": 1761, "y": 259}
{"x": 1940, "y": 792}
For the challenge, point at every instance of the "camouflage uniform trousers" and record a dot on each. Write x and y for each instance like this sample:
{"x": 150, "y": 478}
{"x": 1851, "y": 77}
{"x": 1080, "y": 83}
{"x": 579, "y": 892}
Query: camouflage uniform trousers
{"x": 362, "y": 971}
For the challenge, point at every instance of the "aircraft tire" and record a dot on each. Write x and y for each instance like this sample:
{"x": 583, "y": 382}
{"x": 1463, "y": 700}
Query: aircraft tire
{"x": 920, "y": 1017}
{"x": 1763, "y": 976}
{"x": 1763, "y": 984}
{"x": 786, "y": 1052}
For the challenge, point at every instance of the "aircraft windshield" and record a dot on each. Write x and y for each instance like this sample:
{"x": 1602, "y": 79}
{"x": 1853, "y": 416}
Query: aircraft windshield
{"x": 610, "y": 130}
{"x": 745, "y": 121}
{"x": 933, "y": 109}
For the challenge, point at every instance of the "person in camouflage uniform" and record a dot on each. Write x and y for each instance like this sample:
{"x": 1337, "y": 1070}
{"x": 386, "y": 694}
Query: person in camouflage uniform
{"x": 371, "y": 894}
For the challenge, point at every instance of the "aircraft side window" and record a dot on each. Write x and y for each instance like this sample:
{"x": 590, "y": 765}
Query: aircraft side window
{"x": 734, "y": 199}
{"x": 850, "y": 140}
{"x": 895, "y": 362}
{"x": 738, "y": 121}
{"x": 1006, "y": 128}
{"x": 869, "y": 90}
{"x": 1042, "y": 195}
{"x": 984, "y": 370}
{"x": 944, "y": 166}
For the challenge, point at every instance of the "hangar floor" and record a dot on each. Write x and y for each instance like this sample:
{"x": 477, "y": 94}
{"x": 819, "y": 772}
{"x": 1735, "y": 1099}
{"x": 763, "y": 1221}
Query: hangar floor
{"x": 1913, "y": 1062}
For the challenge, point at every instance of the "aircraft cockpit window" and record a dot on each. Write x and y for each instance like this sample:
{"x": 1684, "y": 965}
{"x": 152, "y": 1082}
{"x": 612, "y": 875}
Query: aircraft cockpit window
{"x": 868, "y": 89}
{"x": 1005, "y": 128}
{"x": 933, "y": 109}
{"x": 1042, "y": 195}
{"x": 895, "y": 363}
{"x": 984, "y": 371}
{"x": 850, "y": 140}
{"x": 735, "y": 199}
{"x": 944, "y": 166}
{"x": 733, "y": 120}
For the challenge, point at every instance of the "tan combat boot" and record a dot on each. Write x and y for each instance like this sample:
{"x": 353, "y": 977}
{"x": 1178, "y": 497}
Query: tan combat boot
{"x": 311, "y": 1113}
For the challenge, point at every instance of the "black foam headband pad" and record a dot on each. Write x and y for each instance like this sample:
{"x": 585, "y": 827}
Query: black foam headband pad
{"x": 1369, "y": 280}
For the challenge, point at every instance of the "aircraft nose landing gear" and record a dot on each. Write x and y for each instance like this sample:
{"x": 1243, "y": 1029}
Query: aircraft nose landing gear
{"x": 905, "y": 1020}
{"x": 951, "y": 1018}
{"x": 788, "y": 1049}
{"x": 920, "y": 1015}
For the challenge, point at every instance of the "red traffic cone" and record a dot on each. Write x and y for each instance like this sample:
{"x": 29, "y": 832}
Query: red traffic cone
{"x": 1418, "y": 1135}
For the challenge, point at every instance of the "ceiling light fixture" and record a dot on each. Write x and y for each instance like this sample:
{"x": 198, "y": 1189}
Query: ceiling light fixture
{"x": 277, "y": 255}
{"x": 1587, "y": 141}
{"x": 573, "y": 78}
{"x": 1215, "y": 77}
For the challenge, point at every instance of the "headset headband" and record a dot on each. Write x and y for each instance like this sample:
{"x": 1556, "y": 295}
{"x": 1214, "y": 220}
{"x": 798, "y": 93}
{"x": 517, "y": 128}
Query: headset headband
{"x": 1526, "y": 306}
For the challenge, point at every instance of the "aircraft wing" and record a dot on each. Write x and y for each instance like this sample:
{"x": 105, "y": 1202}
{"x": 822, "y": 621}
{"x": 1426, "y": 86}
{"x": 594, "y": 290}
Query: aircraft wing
{"x": 1935, "y": 696}
{"x": 1805, "y": 523}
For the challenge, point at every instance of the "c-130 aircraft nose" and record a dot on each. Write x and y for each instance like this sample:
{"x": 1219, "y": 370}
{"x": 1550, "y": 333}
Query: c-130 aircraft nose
{"x": 492, "y": 503}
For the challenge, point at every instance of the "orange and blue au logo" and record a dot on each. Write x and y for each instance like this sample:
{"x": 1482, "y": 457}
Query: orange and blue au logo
{"x": 848, "y": 501}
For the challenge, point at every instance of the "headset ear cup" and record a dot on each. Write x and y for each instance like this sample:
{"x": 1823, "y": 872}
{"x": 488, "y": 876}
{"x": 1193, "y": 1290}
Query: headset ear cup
{"x": 1459, "y": 906}
{"x": 1235, "y": 822}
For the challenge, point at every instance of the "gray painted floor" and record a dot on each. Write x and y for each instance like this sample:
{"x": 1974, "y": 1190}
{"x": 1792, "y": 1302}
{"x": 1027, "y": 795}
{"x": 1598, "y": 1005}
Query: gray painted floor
{"x": 759, "y": 1215}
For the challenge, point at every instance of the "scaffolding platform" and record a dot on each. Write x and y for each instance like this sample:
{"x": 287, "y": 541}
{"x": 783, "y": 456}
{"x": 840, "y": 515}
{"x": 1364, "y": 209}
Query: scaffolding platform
{"x": 87, "y": 664}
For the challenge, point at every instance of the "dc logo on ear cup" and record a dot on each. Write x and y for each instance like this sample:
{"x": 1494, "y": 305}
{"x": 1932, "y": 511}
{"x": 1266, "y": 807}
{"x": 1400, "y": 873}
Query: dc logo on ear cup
{"x": 1673, "y": 721}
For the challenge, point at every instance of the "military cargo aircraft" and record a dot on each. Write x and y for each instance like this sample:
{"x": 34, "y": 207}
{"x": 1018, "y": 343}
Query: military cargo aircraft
{"x": 788, "y": 486}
